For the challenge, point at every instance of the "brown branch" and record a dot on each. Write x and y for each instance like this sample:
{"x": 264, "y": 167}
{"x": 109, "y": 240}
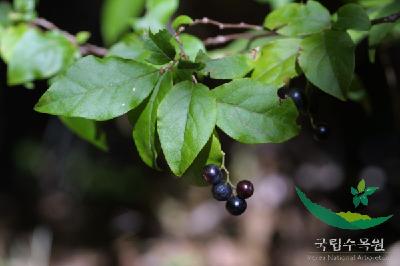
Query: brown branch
{"x": 221, "y": 26}
{"x": 85, "y": 49}
{"x": 221, "y": 39}
{"x": 388, "y": 19}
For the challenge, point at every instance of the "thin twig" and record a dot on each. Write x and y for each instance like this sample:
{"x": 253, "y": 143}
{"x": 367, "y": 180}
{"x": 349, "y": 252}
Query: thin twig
{"x": 221, "y": 25}
{"x": 388, "y": 19}
{"x": 85, "y": 49}
{"x": 221, "y": 39}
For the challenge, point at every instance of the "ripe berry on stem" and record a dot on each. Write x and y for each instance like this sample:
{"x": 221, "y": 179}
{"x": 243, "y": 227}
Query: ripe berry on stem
{"x": 212, "y": 174}
{"x": 222, "y": 191}
{"x": 244, "y": 189}
{"x": 298, "y": 98}
{"x": 236, "y": 205}
{"x": 321, "y": 132}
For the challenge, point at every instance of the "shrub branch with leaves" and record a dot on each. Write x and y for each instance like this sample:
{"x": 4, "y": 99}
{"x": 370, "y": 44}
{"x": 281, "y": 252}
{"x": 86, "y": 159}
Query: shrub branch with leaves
{"x": 157, "y": 64}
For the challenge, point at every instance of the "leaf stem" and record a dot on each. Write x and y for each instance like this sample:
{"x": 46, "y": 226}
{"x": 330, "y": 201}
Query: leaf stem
{"x": 388, "y": 19}
{"x": 221, "y": 39}
{"x": 221, "y": 25}
{"x": 223, "y": 167}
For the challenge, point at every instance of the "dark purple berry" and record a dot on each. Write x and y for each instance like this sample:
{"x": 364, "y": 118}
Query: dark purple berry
{"x": 222, "y": 191}
{"x": 212, "y": 174}
{"x": 235, "y": 205}
{"x": 321, "y": 132}
{"x": 298, "y": 98}
{"x": 244, "y": 189}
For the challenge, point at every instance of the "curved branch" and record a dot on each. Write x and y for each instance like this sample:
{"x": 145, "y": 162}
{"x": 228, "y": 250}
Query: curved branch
{"x": 221, "y": 25}
{"x": 221, "y": 39}
{"x": 388, "y": 19}
{"x": 85, "y": 49}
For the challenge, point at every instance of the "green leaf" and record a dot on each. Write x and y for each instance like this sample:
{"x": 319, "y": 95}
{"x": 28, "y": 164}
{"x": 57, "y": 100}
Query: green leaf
{"x": 379, "y": 32}
{"x": 130, "y": 47}
{"x": 191, "y": 45}
{"x": 82, "y": 37}
{"x": 87, "y": 130}
{"x": 299, "y": 19}
{"x": 144, "y": 132}
{"x": 277, "y": 62}
{"x": 327, "y": 60}
{"x": 26, "y": 7}
{"x": 10, "y": 37}
{"x": 158, "y": 14}
{"x": 361, "y": 186}
{"x": 230, "y": 67}
{"x": 352, "y": 16}
{"x": 181, "y": 20}
{"x": 99, "y": 89}
{"x": 160, "y": 47}
{"x": 370, "y": 190}
{"x": 356, "y": 201}
{"x": 364, "y": 200}
{"x": 5, "y": 9}
{"x": 37, "y": 55}
{"x": 116, "y": 16}
{"x": 354, "y": 191}
{"x": 186, "y": 120}
{"x": 210, "y": 154}
{"x": 251, "y": 112}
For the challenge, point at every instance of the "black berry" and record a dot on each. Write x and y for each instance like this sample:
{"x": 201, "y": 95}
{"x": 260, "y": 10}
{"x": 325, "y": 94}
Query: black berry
{"x": 298, "y": 98}
{"x": 212, "y": 174}
{"x": 244, "y": 189}
{"x": 321, "y": 132}
{"x": 222, "y": 191}
{"x": 235, "y": 205}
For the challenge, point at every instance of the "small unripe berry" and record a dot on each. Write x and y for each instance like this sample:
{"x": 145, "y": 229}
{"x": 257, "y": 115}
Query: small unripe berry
{"x": 244, "y": 189}
{"x": 212, "y": 174}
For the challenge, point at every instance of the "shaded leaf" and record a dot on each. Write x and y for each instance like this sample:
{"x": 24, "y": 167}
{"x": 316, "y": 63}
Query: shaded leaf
{"x": 37, "y": 55}
{"x": 299, "y": 19}
{"x": 87, "y": 130}
{"x": 277, "y": 62}
{"x": 354, "y": 191}
{"x": 186, "y": 120}
{"x": 191, "y": 45}
{"x": 230, "y": 67}
{"x": 99, "y": 89}
{"x": 158, "y": 13}
{"x": 144, "y": 132}
{"x": 130, "y": 47}
{"x": 210, "y": 154}
{"x": 181, "y": 20}
{"x": 116, "y": 16}
{"x": 352, "y": 16}
{"x": 250, "y": 112}
{"x": 327, "y": 60}
{"x": 160, "y": 47}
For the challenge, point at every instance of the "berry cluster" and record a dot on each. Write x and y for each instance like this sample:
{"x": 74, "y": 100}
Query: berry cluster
{"x": 222, "y": 190}
{"x": 321, "y": 131}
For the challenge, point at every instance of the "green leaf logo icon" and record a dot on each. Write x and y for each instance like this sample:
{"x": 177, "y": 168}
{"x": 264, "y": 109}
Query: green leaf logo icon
{"x": 361, "y": 186}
